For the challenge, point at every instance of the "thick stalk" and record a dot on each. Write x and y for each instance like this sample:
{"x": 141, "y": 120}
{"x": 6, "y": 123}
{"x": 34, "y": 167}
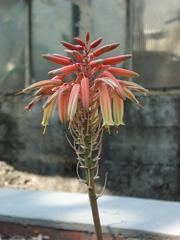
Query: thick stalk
{"x": 94, "y": 207}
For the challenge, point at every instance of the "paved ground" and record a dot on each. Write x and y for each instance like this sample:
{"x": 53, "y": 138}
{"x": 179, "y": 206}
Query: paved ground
{"x": 11, "y": 178}
{"x": 71, "y": 211}
{"x": 41, "y": 237}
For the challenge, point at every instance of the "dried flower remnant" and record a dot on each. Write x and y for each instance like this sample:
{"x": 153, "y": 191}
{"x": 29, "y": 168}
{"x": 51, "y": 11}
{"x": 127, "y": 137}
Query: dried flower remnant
{"x": 90, "y": 100}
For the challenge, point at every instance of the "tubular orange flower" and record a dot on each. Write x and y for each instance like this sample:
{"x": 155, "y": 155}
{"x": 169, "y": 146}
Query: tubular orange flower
{"x": 87, "y": 37}
{"x": 122, "y": 72}
{"x": 42, "y": 83}
{"x": 85, "y": 92}
{"x": 63, "y": 70}
{"x": 118, "y": 110}
{"x": 104, "y": 49}
{"x": 63, "y": 100}
{"x": 80, "y": 41}
{"x": 56, "y": 59}
{"x": 47, "y": 113}
{"x": 118, "y": 87}
{"x": 96, "y": 43}
{"x": 116, "y": 59}
{"x": 105, "y": 104}
{"x": 75, "y": 54}
{"x": 62, "y": 56}
{"x": 71, "y": 46}
{"x": 94, "y": 63}
{"x": 73, "y": 100}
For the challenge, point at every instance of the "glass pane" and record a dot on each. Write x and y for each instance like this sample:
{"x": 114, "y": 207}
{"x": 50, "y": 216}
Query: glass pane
{"x": 109, "y": 21}
{"x": 51, "y": 23}
{"x": 156, "y": 42}
{"x": 12, "y": 43}
{"x": 104, "y": 19}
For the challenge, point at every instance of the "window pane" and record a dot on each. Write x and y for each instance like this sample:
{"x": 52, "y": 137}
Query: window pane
{"x": 109, "y": 21}
{"x": 51, "y": 23}
{"x": 104, "y": 19}
{"x": 156, "y": 42}
{"x": 12, "y": 43}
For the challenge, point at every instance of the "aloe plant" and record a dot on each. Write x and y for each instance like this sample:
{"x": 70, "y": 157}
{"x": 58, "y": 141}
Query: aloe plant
{"x": 90, "y": 100}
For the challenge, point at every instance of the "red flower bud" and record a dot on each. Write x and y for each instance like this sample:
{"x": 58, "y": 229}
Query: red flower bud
{"x": 75, "y": 54}
{"x": 64, "y": 70}
{"x": 105, "y": 49}
{"x": 79, "y": 41}
{"x": 57, "y": 60}
{"x": 87, "y": 37}
{"x": 96, "y": 42}
{"x": 116, "y": 59}
{"x": 122, "y": 72}
{"x": 71, "y": 46}
{"x": 62, "y": 56}
{"x": 85, "y": 92}
{"x": 96, "y": 62}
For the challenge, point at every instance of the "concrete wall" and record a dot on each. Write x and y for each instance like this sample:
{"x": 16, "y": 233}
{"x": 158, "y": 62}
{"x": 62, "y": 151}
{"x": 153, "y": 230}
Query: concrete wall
{"x": 142, "y": 158}
{"x": 24, "y": 145}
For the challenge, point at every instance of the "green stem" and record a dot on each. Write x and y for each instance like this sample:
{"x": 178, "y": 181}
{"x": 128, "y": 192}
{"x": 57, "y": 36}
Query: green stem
{"x": 94, "y": 208}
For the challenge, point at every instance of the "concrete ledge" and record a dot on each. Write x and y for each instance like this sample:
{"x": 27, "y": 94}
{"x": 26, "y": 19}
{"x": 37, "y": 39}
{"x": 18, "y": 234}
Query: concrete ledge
{"x": 71, "y": 211}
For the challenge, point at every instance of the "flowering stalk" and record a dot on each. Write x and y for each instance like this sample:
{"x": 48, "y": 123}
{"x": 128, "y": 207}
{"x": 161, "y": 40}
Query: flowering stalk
{"x": 91, "y": 100}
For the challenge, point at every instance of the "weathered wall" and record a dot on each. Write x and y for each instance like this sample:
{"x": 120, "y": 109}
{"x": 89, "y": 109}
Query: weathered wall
{"x": 24, "y": 145}
{"x": 142, "y": 159}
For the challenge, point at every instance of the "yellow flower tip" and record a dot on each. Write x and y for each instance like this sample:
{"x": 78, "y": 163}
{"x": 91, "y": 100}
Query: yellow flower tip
{"x": 107, "y": 128}
{"x": 73, "y": 101}
{"x": 136, "y": 74}
{"x": 140, "y": 105}
{"x": 45, "y": 127}
{"x": 119, "y": 123}
{"x": 108, "y": 125}
{"x": 107, "y": 122}
{"x": 148, "y": 92}
{"x": 19, "y": 92}
{"x": 45, "y": 124}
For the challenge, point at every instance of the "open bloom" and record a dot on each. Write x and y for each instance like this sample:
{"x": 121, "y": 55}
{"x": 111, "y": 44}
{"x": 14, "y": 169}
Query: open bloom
{"x": 83, "y": 80}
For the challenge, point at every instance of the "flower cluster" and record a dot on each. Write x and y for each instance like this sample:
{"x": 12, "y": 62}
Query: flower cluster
{"x": 84, "y": 77}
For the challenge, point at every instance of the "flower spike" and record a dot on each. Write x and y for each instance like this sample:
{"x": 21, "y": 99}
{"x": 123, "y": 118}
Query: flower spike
{"x": 86, "y": 83}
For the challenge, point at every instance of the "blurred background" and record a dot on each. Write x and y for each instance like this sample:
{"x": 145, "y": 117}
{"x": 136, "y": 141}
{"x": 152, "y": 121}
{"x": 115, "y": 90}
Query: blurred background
{"x": 143, "y": 158}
